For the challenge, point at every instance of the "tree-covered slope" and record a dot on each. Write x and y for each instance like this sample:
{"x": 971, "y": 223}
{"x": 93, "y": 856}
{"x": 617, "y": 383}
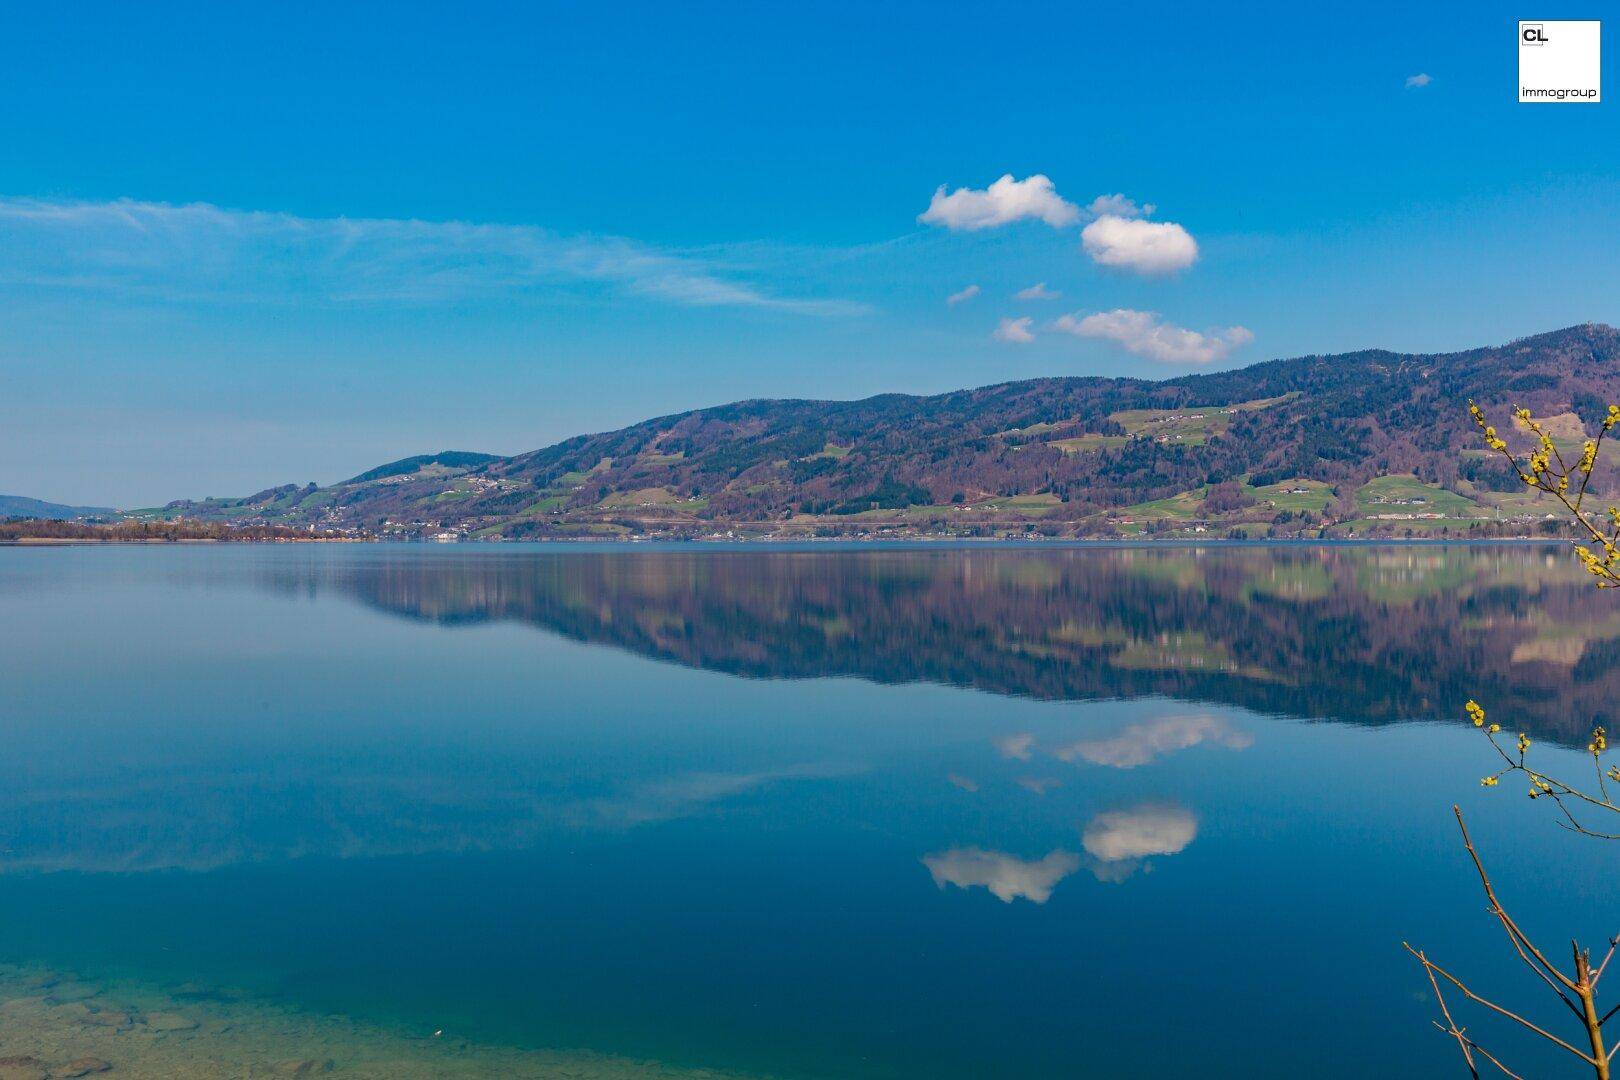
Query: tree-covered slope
{"x": 1307, "y": 432}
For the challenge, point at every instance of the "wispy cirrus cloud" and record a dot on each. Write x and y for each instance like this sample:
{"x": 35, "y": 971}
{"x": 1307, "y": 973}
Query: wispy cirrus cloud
{"x": 198, "y": 251}
{"x": 962, "y": 296}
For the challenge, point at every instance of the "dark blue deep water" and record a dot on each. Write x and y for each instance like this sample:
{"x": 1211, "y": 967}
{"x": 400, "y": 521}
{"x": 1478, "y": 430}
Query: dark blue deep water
{"x": 940, "y": 812}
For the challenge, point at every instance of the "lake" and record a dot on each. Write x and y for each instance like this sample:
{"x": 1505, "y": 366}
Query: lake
{"x": 1081, "y": 811}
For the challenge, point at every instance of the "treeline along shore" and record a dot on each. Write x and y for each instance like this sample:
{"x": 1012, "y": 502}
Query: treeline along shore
{"x": 40, "y": 531}
{"x": 44, "y": 531}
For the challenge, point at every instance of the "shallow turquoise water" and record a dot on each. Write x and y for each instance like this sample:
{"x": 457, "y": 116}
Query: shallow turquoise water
{"x": 937, "y": 812}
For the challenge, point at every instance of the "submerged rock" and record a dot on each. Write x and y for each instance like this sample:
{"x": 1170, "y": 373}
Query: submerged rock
{"x": 80, "y": 1067}
{"x": 113, "y": 1018}
{"x": 74, "y": 1012}
{"x": 68, "y": 992}
{"x": 22, "y": 1067}
{"x": 168, "y": 1021}
{"x": 304, "y": 1067}
{"x": 195, "y": 991}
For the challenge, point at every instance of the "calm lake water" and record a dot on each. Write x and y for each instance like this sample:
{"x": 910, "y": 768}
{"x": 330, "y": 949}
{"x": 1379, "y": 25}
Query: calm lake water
{"x": 936, "y": 812}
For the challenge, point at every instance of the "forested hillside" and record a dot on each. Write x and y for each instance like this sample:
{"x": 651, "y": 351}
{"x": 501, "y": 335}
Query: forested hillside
{"x": 1366, "y": 442}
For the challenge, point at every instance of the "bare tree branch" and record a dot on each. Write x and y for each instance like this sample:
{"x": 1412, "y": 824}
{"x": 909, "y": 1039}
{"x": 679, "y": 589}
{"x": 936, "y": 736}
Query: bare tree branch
{"x": 1521, "y": 943}
{"x": 1494, "y": 1007}
{"x": 1450, "y": 1026}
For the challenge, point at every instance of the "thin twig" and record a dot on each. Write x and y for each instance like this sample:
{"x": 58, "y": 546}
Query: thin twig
{"x": 1494, "y": 1007}
{"x": 1488, "y": 1056}
{"x": 1521, "y": 943}
{"x": 1614, "y": 942}
{"x": 1450, "y": 1027}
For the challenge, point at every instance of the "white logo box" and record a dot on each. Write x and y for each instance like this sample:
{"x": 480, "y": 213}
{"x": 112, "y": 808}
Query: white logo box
{"x": 1561, "y": 61}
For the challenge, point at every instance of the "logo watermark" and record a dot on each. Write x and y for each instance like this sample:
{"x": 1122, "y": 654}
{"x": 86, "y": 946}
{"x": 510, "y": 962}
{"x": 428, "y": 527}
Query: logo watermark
{"x": 1561, "y": 61}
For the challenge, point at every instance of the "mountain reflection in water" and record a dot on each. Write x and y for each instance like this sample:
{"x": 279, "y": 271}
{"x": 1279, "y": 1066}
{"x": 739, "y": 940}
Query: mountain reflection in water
{"x": 1362, "y": 634}
{"x": 940, "y": 812}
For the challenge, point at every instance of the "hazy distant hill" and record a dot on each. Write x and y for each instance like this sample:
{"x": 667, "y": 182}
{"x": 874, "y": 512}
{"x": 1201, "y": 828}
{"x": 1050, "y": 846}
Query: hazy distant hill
{"x": 20, "y": 506}
{"x": 1371, "y": 441}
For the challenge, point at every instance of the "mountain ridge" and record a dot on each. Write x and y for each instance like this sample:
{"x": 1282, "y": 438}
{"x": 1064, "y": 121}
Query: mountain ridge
{"x": 1299, "y": 443}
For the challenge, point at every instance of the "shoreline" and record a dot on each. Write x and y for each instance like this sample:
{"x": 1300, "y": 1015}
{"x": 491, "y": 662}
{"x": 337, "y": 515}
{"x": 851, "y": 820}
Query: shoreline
{"x": 62, "y": 541}
{"x": 829, "y": 541}
{"x": 56, "y": 1025}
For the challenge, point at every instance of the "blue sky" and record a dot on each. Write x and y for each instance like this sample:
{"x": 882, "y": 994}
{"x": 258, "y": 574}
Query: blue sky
{"x": 286, "y": 245}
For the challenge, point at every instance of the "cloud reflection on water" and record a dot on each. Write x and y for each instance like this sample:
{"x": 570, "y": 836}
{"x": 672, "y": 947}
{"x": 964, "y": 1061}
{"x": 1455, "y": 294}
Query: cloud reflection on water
{"x": 1015, "y": 747}
{"x": 1117, "y": 845}
{"x": 1141, "y": 743}
{"x": 199, "y": 823}
{"x": 1120, "y": 841}
{"x": 1007, "y": 876}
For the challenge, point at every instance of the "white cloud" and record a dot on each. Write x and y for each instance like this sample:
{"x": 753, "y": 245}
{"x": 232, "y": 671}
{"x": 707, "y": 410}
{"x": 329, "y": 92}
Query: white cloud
{"x": 1418, "y": 81}
{"x": 1118, "y": 206}
{"x": 1038, "y": 291}
{"x": 1015, "y": 330}
{"x": 1118, "y": 236}
{"x": 1138, "y": 744}
{"x": 1039, "y": 785}
{"x": 1015, "y": 747}
{"x": 966, "y": 783}
{"x": 962, "y": 296}
{"x": 1143, "y": 247}
{"x": 1136, "y": 833}
{"x": 1006, "y": 876}
{"x": 199, "y": 252}
{"x": 1003, "y": 202}
{"x": 1143, "y": 333}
